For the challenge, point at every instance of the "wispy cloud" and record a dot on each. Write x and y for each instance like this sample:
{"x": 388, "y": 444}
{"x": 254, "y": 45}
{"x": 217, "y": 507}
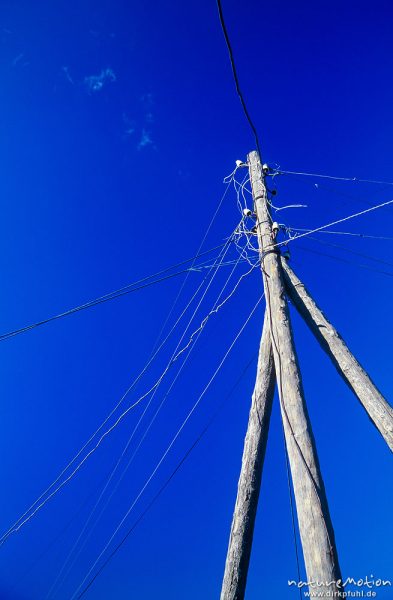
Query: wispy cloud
{"x": 130, "y": 125}
{"x": 17, "y": 59}
{"x": 67, "y": 75}
{"x": 95, "y": 83}
{"x": 141, "y": 127}
{"x": 145, "y": 140}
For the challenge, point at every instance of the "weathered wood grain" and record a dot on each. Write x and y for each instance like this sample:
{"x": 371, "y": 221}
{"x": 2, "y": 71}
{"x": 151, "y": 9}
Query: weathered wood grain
{"x": 240, "y": 541}
{"x": 377, "y": 408}
{"x": 316, "y": 530}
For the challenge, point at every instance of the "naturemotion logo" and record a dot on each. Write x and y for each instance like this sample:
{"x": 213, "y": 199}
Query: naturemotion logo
{"x": 369, "y": 584}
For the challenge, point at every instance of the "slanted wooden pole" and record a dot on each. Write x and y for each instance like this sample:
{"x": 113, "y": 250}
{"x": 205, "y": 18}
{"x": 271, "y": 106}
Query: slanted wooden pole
{"x": 316, "y": 531}
{"x": 377, "y": 408}
{"x": 240, "y": 541}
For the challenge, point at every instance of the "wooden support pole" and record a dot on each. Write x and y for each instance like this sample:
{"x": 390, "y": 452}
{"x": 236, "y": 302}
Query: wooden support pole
{"x": 240, "y": 541}
{"x": 377, "y": 408}
{"x": 316, "y": 531}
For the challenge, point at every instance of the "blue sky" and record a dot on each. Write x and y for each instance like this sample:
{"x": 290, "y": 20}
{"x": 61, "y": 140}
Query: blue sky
{"x": 119, "y": 122}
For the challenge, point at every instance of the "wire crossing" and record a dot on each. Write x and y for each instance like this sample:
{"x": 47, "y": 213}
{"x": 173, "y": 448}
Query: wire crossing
{"x": 128, "y": 289}
{"x": 42, "y": 500}
{"x": 195, "y": 336}
{"x": 169, "y": 447}
{"x": 168, "y": 480}
{"x": 322, "y": 227}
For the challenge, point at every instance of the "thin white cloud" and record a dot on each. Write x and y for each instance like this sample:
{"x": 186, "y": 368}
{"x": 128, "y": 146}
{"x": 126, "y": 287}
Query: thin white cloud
{"x": 145, "y": 140}
{"x": 141, "y": 128}
{"x": 17, "y": 59}
{"x": 95, "y": 83}
{"x": 67, "y": 75}
{"x": 130, "y": 125}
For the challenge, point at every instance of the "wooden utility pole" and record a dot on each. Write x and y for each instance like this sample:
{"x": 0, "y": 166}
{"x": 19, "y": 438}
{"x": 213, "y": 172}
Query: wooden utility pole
{"x": 240, "y": 541}
{"x": 377, "y": 408}
{"x": 315, "y": 526}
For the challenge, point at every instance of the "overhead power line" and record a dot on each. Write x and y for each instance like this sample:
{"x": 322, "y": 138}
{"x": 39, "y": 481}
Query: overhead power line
{"x": 345, "y": 196}
{"x": 224, "y": 248}
{"x": 67, "y": 563}
{"x": 77, "y": 593}
{"x": 216, "y": 307}
{"x": 344, "y": 260}
{"x": 198, "y": 252}
{"x": 319, "y": 175}
{"x": 358, "y": 214}
{"x": 168, "y": 480}
{"x": 349, "y": 233}
{"x": 27, "y": 513}
{"x": 128, "y": 289}
{"x": 361, "y": 254}
{"x": 235, "y": 75}
{"x": 43, "y": 498}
